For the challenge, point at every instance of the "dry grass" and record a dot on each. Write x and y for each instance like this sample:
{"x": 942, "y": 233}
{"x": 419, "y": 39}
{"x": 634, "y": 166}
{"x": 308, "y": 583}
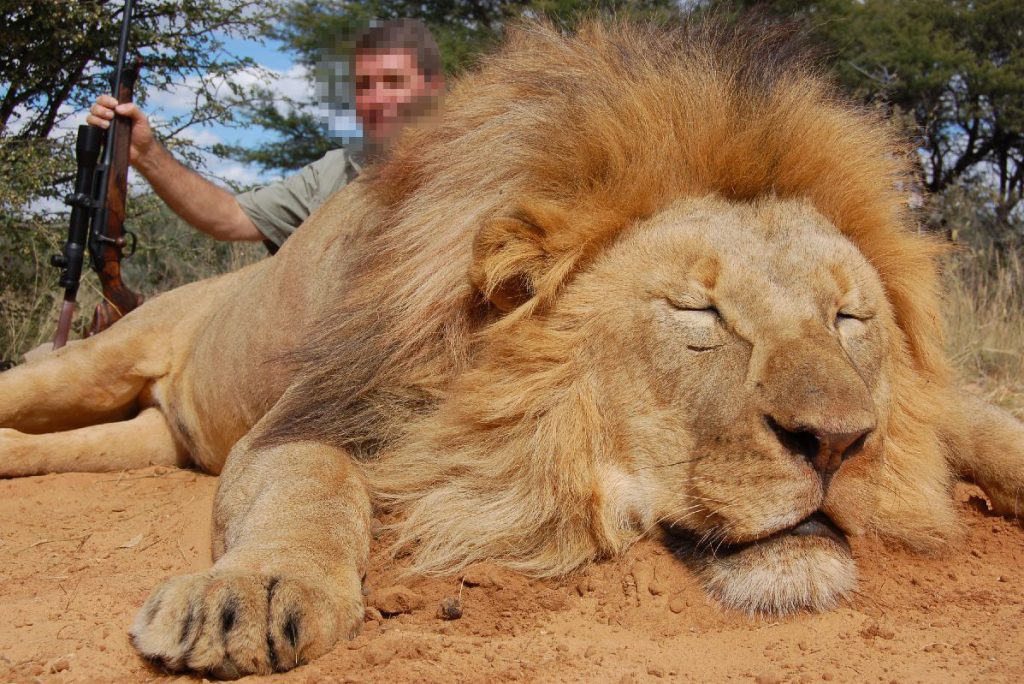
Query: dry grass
{"x": 169, "y": 254}
{"x": 29, "y": 296}
{"x": 985, "y": 321}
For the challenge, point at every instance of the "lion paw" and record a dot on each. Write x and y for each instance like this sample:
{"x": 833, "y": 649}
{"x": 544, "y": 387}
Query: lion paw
{"x": 230, "y": 624}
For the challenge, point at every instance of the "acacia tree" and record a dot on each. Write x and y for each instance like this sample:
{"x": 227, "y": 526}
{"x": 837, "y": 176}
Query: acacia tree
{"x": 56, "y": 58}
{"x": 955, "y": 67}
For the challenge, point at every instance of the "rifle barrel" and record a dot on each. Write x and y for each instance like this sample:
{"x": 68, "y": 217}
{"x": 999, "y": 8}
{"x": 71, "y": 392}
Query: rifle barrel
{"x": 89, "y": 199}
{"x": 108, "y": 148}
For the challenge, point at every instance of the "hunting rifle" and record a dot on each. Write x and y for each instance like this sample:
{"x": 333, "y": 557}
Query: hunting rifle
{"x": 98, "y": 208}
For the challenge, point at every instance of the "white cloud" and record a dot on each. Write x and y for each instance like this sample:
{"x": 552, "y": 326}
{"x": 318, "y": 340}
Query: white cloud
{"x": 199, "y": 135}
{"x": 236, "y": 172}
{"x": 178, "y": 99}
{"x": 292, "y": 83}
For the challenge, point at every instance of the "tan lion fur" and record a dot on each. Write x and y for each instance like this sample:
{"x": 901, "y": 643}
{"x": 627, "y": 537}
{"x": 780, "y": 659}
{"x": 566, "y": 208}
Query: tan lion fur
{"x": 600, "y": 296}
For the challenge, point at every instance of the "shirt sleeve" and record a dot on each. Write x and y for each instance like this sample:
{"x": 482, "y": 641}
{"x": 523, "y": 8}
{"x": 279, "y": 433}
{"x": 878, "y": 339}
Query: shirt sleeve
{"x": 279, "y": 208}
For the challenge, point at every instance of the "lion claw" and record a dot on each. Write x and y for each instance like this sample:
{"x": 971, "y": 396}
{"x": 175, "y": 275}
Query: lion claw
{"x": 231, "y": 624}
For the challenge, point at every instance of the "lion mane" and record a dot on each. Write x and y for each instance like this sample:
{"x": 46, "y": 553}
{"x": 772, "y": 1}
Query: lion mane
{"x": 472, "y": 425}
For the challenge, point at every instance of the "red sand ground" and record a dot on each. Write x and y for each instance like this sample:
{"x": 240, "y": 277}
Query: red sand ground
{"x": 79, "y": 554}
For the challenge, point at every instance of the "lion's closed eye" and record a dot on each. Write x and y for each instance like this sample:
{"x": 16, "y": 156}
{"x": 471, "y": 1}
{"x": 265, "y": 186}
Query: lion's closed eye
{"x": 852, "y": 321}
{"x": 699, "y": 323}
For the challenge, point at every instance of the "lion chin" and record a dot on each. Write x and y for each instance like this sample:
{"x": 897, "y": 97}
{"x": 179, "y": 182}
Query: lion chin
{"x": 806, "y": 567}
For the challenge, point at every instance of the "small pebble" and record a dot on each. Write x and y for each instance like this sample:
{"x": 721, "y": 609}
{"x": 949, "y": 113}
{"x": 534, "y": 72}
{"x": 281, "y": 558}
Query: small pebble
{"x": 59, "y": 665}
{"x": 873, "y": 629}
{"x": 450, "y": 609}
{"x": 552, "y": 600}
{"x": 480, "y": 575}
{"x": 396, "y": 600}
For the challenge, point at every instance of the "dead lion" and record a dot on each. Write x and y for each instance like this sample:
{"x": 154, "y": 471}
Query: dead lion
{"x": 634, "y": 280}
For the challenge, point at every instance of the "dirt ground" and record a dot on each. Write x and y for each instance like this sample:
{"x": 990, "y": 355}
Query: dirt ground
{"x": 79, "y": 553}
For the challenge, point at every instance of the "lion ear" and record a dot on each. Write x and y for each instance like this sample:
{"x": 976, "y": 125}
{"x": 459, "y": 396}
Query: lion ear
{"x": 509, "y": 259}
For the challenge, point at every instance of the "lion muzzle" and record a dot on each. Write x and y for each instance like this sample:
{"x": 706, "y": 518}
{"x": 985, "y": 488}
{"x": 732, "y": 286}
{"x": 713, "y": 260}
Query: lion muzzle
{"x": 816, "y": 405}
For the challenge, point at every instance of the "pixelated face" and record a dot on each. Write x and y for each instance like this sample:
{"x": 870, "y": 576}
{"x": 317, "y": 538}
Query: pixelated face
{"x": 389, "y": 91}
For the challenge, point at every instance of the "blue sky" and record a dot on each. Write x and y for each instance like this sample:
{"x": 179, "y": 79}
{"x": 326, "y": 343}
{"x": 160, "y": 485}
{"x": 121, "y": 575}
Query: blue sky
{"x": 269, "y": 53}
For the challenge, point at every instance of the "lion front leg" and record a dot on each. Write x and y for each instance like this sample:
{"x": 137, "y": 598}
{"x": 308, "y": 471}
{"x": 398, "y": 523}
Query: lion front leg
{"x": 291, "y": 541}
{"x": 987, "y": 448}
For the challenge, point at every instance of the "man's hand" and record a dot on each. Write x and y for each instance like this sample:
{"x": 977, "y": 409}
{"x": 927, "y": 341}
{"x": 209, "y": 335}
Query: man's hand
{"x": 143, "y": 141}
{"x": 209, "y": 208}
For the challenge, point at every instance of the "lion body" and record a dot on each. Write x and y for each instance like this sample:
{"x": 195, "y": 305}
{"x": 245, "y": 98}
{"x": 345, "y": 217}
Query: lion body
{"x": 234, "y": 332}
{"x": 633, "y": 280}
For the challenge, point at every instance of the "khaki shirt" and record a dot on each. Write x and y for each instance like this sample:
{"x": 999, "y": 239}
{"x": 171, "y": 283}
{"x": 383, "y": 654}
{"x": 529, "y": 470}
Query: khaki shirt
{"x": 279, "y": 208}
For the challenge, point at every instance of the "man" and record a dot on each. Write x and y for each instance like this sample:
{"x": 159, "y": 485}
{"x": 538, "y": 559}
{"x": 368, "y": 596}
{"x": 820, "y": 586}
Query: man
{"x": 398, "y": 75}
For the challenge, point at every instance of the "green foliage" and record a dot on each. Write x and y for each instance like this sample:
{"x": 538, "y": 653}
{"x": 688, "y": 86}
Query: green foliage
{"x": 58, "y": 57}
{"x": 463, "y": 29}
{"x": 956, "y": 67}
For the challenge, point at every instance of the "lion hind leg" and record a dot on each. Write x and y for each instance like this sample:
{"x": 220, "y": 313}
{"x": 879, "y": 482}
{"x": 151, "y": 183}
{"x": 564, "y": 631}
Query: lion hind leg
{"x": 87, "y": 382}
{"x": 987, "y": 448}
{"x": 144, "y": 440}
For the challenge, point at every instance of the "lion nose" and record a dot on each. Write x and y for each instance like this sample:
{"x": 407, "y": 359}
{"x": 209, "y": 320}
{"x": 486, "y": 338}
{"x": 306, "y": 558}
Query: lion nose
{"x": 823, "y": 448}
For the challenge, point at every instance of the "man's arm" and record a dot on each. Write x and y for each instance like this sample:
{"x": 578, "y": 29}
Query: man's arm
{"x": 207, "y": 206}
{"x": 279, "y": 208}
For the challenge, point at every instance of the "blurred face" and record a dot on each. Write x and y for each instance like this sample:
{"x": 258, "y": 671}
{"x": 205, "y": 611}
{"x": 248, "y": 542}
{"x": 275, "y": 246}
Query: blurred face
{"x": 390, "y": 91}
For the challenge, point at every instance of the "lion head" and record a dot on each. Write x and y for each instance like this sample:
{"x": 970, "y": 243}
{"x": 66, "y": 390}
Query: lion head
{"x": 641, "y": 280}
{"x": 742, "y": 358}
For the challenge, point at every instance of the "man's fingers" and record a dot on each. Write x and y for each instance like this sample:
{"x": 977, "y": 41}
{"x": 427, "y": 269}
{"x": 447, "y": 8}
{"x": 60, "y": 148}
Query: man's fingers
{"x": 105, "y": 106}
{"x": 96, "y": 121}
{"x": 101, "y": 111}
{"x": 129, "y": 109}
{"x": 99, "y": 114}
